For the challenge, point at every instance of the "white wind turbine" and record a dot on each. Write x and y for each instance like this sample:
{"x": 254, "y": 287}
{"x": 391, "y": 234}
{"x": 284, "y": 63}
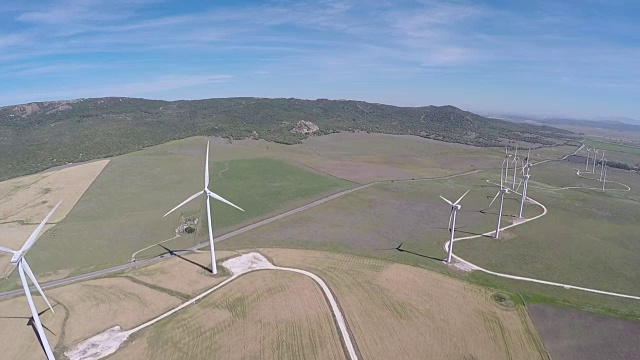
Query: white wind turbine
{"x": 500, "y": 193}
{"x": 595, "y": 155}
{"x": 601, "y": 165}
{"x": 586, "y": 167}
{"x": 515, "y": 168}
{"x": 505, "y": 164}
{"x": 209, "y": 194}
{"x": 20, "y": 262}
{"x": 452, "y": 221}
{"x": 604, "y": 178}
{"x": 525, "y": 180}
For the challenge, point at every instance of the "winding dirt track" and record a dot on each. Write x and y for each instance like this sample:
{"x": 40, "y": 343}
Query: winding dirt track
{"x": 108, "y": 342}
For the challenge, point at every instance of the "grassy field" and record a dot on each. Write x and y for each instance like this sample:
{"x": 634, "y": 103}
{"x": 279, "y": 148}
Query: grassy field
{"x": 26, "y": 201}
{"x": 263, "y": 315}
{"x": 611, "y": 146}
{"x": 375, "y": 220}
{"x": 398, "y": 311}
{"x": 122, "y": 211}
{"x": 572, "y": 334}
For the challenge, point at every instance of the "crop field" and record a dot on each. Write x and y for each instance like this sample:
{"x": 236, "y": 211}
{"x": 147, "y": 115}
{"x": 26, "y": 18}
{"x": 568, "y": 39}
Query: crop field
{"x": 18, "y": 335}
{"x": 572, "y": 334}
{"x": 265, "y": 315}
{"x": 26, "y": 201}
{"x": 364, "y": 158}
{"x": 612, "y": 146}
{"x": 185, "y": 276}
{"x": 400, "y": 311}
{"x": 122, "y": 212}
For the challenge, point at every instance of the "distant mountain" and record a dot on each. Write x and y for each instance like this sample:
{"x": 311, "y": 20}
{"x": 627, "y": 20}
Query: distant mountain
{"x": 616, "y": 120}
{"x": 37, "y": 136}
{"x": 611, "y": 123}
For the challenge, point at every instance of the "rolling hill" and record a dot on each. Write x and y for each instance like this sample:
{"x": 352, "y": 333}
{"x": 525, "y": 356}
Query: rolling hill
{"x": 37, "y": 136}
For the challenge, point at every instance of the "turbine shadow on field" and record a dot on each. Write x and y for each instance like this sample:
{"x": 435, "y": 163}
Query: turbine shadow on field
{"x": 400, "y": 249}
{"x": 32, "y": 324}
{"x": 174, "y": 253}
{"x": 458, "y": 230}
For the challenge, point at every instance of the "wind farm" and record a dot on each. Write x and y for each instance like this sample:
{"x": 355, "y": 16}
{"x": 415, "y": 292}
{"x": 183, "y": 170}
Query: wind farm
{"x": 176, "y": 268}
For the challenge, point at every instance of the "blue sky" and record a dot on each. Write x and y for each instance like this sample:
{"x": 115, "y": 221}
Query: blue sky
{"x": 569, "y": 58}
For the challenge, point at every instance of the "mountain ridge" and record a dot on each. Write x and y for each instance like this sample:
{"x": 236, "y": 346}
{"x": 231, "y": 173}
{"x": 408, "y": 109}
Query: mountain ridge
{"x": 40, "y": 135}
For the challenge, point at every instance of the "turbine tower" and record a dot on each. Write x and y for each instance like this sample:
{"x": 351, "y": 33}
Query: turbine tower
{"x": 586, "y": 167}
{"x": 452, "y": 221}
{"x": 525, "y": 180}
{"x": 500, "y": 193}
{"x": 604, "y": 178}
{"x": 507, "y": 156}
{"x": 208, "y": 194}
{"x": 20, "y": 262}
{"x": 595, "y": 155}
{"x": 515, "y": 168}
{"x": 601, "y": 166}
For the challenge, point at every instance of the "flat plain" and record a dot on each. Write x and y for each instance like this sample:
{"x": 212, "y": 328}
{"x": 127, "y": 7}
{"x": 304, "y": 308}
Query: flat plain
{"x": 572, "y": 334}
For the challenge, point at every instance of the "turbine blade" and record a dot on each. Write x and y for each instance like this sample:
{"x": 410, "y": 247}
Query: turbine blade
{"x": 7, "y": 250}
{"x": 220, "y": 198}
{"x": 463, "y": 195}
{"x": 450, "y": 218}
{"x": 34, "y": 313}
{"x": 184, "y": 202}
{"x": 34, "y": 235}
{"x": 519, "y": 183}
{"x": 448, "y": 202}
{"x": 206, "y": 168}
{"x": 29, "y": 273}
{"x": 494, "y": 199}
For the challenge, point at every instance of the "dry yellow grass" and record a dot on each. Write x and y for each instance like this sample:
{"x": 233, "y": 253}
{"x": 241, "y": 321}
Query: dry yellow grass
{"x": 18, "y": 338}
{"x": 25, "y": 201}
{"x": 97, "y": 305}
{"x": 262, "y": 315}
{"x": 402, "y": 312}
{"x": 181, "y": 275}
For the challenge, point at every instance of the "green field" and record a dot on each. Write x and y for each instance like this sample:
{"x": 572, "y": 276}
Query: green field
{"x": 571, "y": 244}
{"x": 122, "y": 210}
{"x": 612, "y": 146}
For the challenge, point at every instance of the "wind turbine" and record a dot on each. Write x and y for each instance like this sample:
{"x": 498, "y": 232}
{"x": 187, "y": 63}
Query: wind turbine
{"x": 18, "y": 260}
{"x": 209, "y": 194}
{"x": 500, "y": 193}
{"x": 525, "y": 180}
{"x": 604, "y": 179}
{"x": 595, "y": 154}
{"x": 601, "y": 165}
{"x": 507, "y": 156}
{"x": 515, "y": 168}
{"x": 452, "y": 221}
{"x": 586, "y": 167}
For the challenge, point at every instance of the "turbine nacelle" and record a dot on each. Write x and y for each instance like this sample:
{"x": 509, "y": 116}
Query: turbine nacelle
{"x": 15, "y": 259}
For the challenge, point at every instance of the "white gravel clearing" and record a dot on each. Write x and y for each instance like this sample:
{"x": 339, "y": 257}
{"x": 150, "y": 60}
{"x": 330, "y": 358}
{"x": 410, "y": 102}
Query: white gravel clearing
{"x": 99, "y": 346}
{"x": 108, "y": 342}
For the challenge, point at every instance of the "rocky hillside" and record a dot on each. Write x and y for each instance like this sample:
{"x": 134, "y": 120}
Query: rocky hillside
{"x": 36, "y": 136}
